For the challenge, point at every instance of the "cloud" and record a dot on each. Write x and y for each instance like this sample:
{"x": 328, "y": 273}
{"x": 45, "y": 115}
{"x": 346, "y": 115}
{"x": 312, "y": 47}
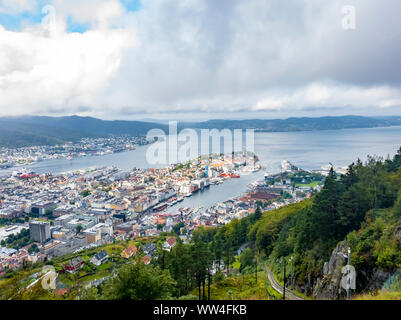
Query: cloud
{"x": 46, "y": 69}
{"x": 205, "y": 56}
{"x": 98, "y": 13}
{"x": 17, "y": 6}
{"x": 331, "y": 96}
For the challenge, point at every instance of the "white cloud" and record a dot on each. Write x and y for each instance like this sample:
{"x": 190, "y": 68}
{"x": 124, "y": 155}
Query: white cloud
{"x": 332, "y": 96}
{"x": 61, "y": 72}
{"x": 16, "y": 6}
{"x": 98, "y": 13}
{"x": 204, "y": 56}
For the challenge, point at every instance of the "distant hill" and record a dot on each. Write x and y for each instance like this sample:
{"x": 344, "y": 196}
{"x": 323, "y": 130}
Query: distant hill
{"x": 27, "y": 131}
{"x": 299, "y": 124}
{"x": 32, "y": 130}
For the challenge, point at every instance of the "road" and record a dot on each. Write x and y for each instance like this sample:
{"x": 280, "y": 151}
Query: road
{"x": 276, "y": 286}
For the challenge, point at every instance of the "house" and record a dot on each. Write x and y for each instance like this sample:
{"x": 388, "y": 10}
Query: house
{"x": 129, "y": 252}
{"x": 184, "y": 239}
{"x": 61, "y": 292}
{"x": 149, "y": 249}
{"x": 145, "y": 260}
{"x": 74, "y": 265}
{"x": 100, "y": 258}
{"x": 169, "y": 244}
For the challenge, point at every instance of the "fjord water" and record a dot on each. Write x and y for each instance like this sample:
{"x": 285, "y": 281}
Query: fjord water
{"x": 313, "y": 149}
{"x": 308, "y": 150}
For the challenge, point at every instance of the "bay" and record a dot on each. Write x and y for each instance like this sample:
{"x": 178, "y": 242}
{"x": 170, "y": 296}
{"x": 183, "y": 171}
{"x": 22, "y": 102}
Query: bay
{"x": 307, "y": 150}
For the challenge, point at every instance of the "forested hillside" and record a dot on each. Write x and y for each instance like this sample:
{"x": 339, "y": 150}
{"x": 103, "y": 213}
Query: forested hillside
{"x": 362, "y": 207}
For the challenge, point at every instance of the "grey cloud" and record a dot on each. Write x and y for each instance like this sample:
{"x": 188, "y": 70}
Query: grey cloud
{"x": 188, "y": 58}
{"x": 227, "y": 56}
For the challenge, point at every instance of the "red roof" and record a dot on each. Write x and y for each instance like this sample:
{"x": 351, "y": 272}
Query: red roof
{"x": 171, "y": 241}
{"x": 145, "y": 260}
{"x": 130, "y": 251}
{"x": 60, "y": 292}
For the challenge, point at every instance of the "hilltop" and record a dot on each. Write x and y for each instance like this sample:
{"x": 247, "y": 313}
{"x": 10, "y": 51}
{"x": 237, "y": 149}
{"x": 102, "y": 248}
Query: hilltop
{"x": 29, "y": 131}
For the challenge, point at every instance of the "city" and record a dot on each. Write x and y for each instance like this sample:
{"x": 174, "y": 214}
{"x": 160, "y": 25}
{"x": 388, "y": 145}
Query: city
{"x": 90, "y": 208}
{"x": 191, "y": 158}
{"x": 85, "y": 147}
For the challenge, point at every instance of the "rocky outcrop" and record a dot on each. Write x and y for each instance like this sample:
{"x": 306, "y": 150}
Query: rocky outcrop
{"x": 377, "y": 280}
{"x": 329, "y": 287}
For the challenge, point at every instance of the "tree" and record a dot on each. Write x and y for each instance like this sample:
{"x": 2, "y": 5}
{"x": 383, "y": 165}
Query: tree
{"x": 136, "y": 281}
{"x": 352, "y": 209}
{"x": 325, "y": 206}
{"x": 350, "y": 178}
{"x": 33, "y": 249}
{"x": 258, "y": 214}
{"x": 246, "y": 259}
{"x": 49, "y": 214}
{"x": 78, "y": 228}
{"x": 394, "y": 164}
{"x": 177, "y": 228}
{"x": 202, "y": 260}
{"x": 85, "y": 193}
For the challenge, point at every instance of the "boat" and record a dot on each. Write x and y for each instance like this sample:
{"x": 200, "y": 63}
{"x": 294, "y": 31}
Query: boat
{"x": 172, "y": 201}
{"x": 287, "y": 166}
{"x": 24, "y": 174}
{"x": 179, "y": 199}
{"x": 160, "y": 207}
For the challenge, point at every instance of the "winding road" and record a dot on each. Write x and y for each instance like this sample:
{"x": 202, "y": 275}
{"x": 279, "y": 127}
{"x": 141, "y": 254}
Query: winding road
{"x": 276, "y": 286}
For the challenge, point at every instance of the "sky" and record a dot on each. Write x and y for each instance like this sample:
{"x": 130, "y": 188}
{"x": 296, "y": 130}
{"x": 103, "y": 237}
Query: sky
{"x": 200, "y": 59}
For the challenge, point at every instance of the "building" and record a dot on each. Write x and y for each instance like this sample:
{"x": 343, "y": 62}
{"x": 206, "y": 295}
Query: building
{"x": 149, "y": 249}
{"x": 95, "y": 233}
{"x": 50, "y": 248}
{"x": 39, "y": 231}
{"x": 85, "y": 221}
{"x": 100, "y": 258}
{"x": 74, "y": 243}
{"x": 74, "y": 265}
{"x": 145, "y": 260}
{"x": 169, "y": 244}
{"x": 63, "y": 220}
{"x": 41, "y": 208}
{"x": 129, "y": 252}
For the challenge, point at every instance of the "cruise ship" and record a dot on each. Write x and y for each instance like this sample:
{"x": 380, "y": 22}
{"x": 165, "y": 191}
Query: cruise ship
{"x": 24, "y": 174}
{"x": 326, "y": 169}
{"x": 287, "y": 166}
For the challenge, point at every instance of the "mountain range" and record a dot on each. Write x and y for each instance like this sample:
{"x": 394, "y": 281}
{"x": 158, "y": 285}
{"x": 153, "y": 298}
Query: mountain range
{"x": 43, "y": 130}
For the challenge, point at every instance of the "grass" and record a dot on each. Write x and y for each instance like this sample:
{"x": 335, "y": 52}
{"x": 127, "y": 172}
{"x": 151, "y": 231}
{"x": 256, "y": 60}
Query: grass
{"x": 311, "y": 185}
{"x": 236, "y": 264}
{"x": 89, "y": 272}
{"x": 243, "y": 287}
{"x": 381, "y": 295}
{"x": 281, "y": 283}
{"x": 275, "y": 295}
